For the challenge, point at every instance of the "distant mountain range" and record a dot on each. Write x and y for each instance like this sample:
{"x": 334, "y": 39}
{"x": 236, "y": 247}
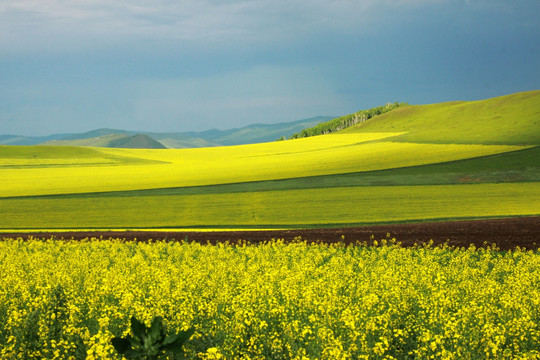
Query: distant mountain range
{"x": 153, "y": 140}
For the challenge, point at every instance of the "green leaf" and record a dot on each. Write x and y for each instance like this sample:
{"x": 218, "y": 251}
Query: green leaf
{"x": 121, "y": 345}
{"x": 156, "y": 329}
{"x": 134, "y": 342}
{"x": 138, "y": 329}
{"x": 175, "y": 342}
{"x": 170, "y": 339}
{"x": 133, "y": 354}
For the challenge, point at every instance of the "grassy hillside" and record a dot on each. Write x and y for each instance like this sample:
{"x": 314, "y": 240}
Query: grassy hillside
{"x": 346, "y": 121}
{"x": 511, "y": 119}
{"x": 355, "y": 176}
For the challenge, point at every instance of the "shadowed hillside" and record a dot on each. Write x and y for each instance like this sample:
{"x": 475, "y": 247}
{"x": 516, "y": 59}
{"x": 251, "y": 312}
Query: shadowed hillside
{"x": 139, "y": 141}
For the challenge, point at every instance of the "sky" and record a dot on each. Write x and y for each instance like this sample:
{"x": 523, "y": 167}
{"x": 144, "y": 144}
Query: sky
{"x": 190, "y": 65}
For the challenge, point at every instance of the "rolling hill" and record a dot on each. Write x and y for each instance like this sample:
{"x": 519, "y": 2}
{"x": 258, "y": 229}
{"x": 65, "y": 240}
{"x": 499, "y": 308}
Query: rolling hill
{"x": 174, "y": 140}
{"x": 424, "y": 162}
{"x": 258, "y": 133}
{"x": 511, "y": 119}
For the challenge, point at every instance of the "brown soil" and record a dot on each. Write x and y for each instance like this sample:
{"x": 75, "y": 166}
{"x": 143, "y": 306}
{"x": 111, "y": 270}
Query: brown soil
{"x": 505, "y": 233}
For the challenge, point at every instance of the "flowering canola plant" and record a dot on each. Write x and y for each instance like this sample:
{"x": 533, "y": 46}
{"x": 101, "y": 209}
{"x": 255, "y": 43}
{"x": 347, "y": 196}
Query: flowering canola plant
{"x": 276, "y": 300}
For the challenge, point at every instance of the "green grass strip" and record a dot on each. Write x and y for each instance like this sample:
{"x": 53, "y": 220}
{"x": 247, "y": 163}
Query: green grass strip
{"x": 340, "y": 205}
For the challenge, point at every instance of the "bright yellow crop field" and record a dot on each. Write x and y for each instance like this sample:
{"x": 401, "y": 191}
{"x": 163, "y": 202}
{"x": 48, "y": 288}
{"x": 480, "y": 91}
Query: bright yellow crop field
{"x": 66, "y": 300}
{"x": 331, "y": 154}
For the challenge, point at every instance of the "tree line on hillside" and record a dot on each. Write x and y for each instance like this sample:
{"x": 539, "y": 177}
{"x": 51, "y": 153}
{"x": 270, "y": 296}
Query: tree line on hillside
{"x": 346, "y": 121}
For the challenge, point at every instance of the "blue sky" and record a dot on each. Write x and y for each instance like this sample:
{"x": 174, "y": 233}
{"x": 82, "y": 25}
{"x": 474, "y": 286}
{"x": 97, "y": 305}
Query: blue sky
{"x": 183, "y": 65}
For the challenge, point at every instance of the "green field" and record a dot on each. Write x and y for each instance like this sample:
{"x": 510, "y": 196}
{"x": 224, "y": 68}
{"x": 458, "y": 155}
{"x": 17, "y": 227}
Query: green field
{"x": 278, "y": 208}
{"x": 431, "y": 162}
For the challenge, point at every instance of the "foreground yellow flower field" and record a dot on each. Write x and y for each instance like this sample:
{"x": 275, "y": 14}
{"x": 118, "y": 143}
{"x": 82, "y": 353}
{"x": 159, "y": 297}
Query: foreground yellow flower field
{"x": 67, "y": 299}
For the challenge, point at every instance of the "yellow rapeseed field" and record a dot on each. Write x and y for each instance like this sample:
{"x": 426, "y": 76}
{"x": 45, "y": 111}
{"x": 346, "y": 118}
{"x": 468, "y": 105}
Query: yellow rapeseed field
{"x": 133, "y": 169}
{"x": 67, "y": 299}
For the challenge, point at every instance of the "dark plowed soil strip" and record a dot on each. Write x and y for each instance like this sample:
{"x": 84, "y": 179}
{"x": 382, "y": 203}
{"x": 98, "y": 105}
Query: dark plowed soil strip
{"x": 505, "y": 233}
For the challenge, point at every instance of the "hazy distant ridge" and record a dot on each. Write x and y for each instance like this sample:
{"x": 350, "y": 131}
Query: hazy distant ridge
{"x": 257, "y": 133}
{"x": 29, "y": 140}
{"x": 125, "y": 138}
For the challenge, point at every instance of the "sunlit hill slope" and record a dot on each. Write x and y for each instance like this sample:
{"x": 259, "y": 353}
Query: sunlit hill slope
{"x": 511, "y": 119}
